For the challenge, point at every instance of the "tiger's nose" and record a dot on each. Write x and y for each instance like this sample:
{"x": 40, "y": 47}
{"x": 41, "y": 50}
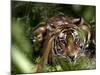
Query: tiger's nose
{"x": 72, "y": 57}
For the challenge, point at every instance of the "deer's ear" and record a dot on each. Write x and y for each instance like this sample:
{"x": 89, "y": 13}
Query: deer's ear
{"x": 78, "y": 21}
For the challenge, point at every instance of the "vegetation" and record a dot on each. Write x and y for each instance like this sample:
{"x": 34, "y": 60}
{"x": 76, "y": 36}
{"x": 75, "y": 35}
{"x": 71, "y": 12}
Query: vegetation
{"x": 26, "y": 15}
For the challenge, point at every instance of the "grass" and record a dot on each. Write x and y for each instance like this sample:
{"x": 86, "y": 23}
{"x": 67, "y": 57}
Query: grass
{"x": 83, "y": 63}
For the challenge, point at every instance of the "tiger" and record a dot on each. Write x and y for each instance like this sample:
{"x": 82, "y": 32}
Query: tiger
{"x": 64, "y": 36}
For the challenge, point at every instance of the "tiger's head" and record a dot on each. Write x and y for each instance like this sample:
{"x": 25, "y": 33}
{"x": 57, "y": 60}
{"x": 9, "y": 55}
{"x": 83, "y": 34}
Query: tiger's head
{"x": 72, "y": 38}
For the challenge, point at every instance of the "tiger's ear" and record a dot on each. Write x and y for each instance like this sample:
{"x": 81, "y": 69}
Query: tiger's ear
{"x": 40, "y": 28}
{"x": 78, "y": 21}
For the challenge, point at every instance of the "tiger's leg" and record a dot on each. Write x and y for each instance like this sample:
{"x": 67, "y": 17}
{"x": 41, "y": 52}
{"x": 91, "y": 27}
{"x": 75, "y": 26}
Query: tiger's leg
{"x": 46, "y": 49}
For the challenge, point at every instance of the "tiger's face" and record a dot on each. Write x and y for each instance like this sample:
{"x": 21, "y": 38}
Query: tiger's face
{"x": 67, "y": 45}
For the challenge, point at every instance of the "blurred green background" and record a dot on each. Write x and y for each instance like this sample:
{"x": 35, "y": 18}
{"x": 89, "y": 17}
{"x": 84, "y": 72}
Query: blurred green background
{"x": 26, "y": 15}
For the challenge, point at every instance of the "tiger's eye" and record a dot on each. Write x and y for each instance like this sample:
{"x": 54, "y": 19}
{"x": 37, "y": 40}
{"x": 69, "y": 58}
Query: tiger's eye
{"x": 76, "y": 40}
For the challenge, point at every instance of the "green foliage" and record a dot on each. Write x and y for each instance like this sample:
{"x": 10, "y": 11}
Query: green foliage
{"x": 81, "y": 33}
{"x": 83, "y": 63}
{"x": 21, "y": 49}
